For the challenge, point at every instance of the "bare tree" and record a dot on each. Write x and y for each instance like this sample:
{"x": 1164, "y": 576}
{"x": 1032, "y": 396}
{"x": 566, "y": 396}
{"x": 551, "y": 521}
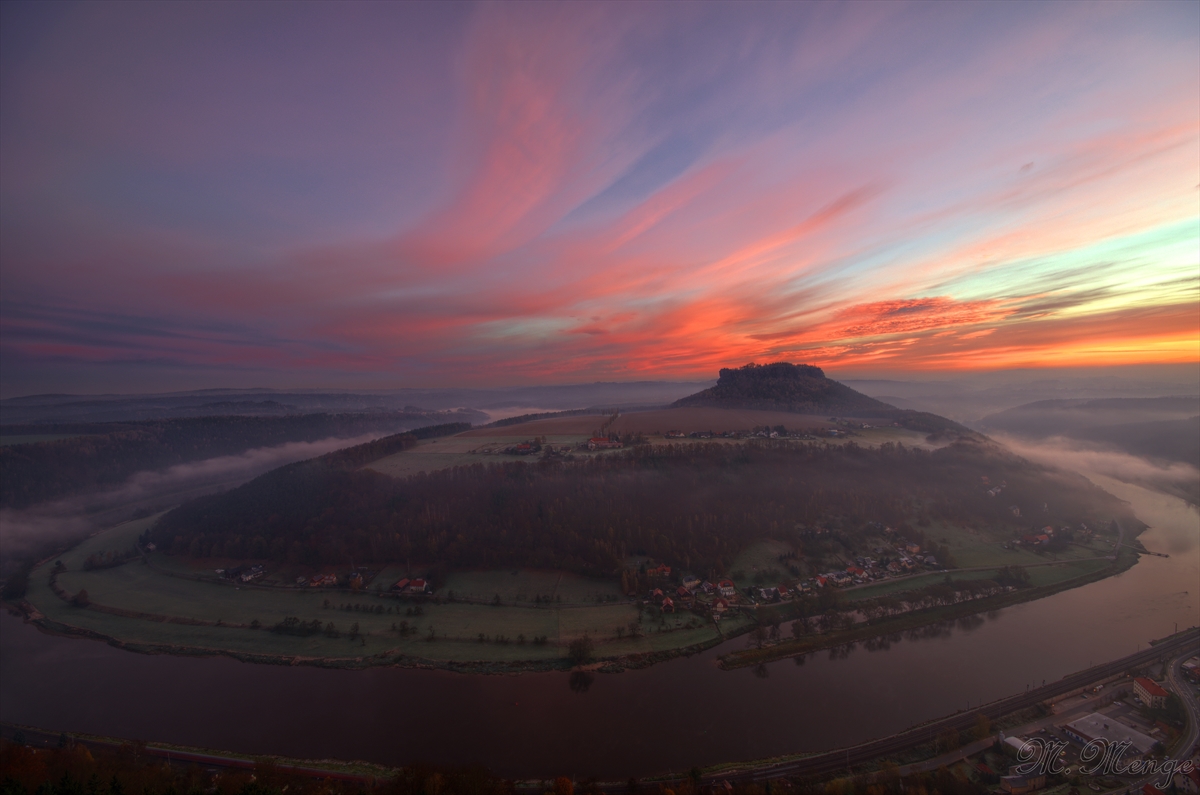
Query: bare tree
{"x": 580, "y": 650}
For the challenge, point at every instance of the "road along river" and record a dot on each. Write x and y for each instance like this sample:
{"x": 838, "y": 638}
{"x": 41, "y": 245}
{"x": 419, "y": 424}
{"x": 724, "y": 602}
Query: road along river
{"x": 666, "y": 718}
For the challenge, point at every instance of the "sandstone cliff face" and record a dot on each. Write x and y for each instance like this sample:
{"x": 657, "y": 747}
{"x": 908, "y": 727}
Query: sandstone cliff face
{"x": 783, "y": 386}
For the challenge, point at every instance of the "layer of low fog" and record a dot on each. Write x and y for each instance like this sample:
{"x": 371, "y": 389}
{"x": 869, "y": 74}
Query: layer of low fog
{"x": 1174, "y": 478}
{"x": 1069, "y": 454}
{"x": 969, "y": 397}
{"x": 39, "y": 530}
{"x": 497, "y": 403}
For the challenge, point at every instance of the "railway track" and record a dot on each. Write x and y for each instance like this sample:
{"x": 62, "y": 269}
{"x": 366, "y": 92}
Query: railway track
{"x": 845, "y": 759}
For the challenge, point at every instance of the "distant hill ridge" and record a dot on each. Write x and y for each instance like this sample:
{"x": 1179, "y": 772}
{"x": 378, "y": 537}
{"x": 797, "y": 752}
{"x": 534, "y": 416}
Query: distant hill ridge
{"x": 1170, "y": 403}
{"x": 804, "y": 389}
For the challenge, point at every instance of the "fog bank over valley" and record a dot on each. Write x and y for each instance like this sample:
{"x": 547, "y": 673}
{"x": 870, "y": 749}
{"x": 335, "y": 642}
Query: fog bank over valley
{"x": 43, "y": 526}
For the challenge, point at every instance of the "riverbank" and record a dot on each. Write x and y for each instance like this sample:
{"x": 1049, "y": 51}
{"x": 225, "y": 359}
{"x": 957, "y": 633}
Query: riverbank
{"x": 391, "y": 657}
{"x": 397, "y": 657}
{"x": 913, "y": 620}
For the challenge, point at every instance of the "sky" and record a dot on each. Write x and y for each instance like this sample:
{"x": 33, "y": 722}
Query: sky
{"x": 397, "y": 194}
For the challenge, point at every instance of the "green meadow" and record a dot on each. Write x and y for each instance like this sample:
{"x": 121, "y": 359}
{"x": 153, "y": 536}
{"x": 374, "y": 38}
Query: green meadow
{"x": 235, "y": 618}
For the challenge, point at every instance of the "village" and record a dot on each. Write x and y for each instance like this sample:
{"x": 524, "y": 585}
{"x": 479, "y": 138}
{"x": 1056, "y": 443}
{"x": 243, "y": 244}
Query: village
{"x": 673, "y": 592}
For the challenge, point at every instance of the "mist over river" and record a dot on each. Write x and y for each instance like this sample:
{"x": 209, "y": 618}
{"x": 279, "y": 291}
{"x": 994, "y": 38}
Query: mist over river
{"x": 670, "y": 717}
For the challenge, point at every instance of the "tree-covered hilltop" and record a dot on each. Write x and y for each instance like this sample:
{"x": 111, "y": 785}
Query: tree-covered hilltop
{"x": 804, "y": 389}
{"x": 106, "y": 454}
{"x": 694, "y": 506}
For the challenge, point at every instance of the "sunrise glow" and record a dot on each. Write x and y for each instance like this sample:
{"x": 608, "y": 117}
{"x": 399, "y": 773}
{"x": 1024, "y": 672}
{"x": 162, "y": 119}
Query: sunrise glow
{"x": 510, "y": 193}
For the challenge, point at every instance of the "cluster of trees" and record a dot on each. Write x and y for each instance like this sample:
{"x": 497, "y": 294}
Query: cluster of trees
{"x": 692, "y": 506}
{"x": 826, "y": 611}
{"x": 294, "y": 626}
{"x": 360, "y": 608}
{"x": 642, "y": 579}
{"x": 108, "y": 453}
{"x": 943, "y": 593}
{"x": 108, "y": 559}
{"x": 504, "y": 640}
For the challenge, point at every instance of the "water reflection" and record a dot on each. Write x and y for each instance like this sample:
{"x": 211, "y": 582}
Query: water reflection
{"x": 580, "y": 681}
{"x": 842, "y": 652}
{"x": 881, "y": 643}
{"x": 970, "y": 623}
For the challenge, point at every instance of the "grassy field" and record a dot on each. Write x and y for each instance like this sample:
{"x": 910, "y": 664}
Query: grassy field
{"x": 1052, "y": 575}
{"x": 590, "y": 607}
{"x": 984, "y": 546}
{"x": 523, "y": 586}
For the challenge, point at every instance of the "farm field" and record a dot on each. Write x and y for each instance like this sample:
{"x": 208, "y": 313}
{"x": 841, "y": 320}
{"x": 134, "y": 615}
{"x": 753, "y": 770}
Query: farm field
{"x": 485, "y": 445}
{"x": 659, "y": 421}
{"x": 693, "y": 419}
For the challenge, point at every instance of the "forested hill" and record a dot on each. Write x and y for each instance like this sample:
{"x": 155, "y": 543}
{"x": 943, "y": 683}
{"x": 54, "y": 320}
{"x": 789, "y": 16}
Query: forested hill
{"x": 105, "y": 455}
{"x": 804, "y": 389}
{"x": 693, "y": 505}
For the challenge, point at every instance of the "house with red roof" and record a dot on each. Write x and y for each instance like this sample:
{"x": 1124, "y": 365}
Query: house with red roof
{"x": 726, "y": 588}
{"x": 1150, "y": 692}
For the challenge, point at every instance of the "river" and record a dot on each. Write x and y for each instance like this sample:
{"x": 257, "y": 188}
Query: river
{"x": 667, "y": 718}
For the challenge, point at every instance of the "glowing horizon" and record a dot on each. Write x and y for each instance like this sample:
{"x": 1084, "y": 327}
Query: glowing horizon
{"x": 475, "y": 195}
